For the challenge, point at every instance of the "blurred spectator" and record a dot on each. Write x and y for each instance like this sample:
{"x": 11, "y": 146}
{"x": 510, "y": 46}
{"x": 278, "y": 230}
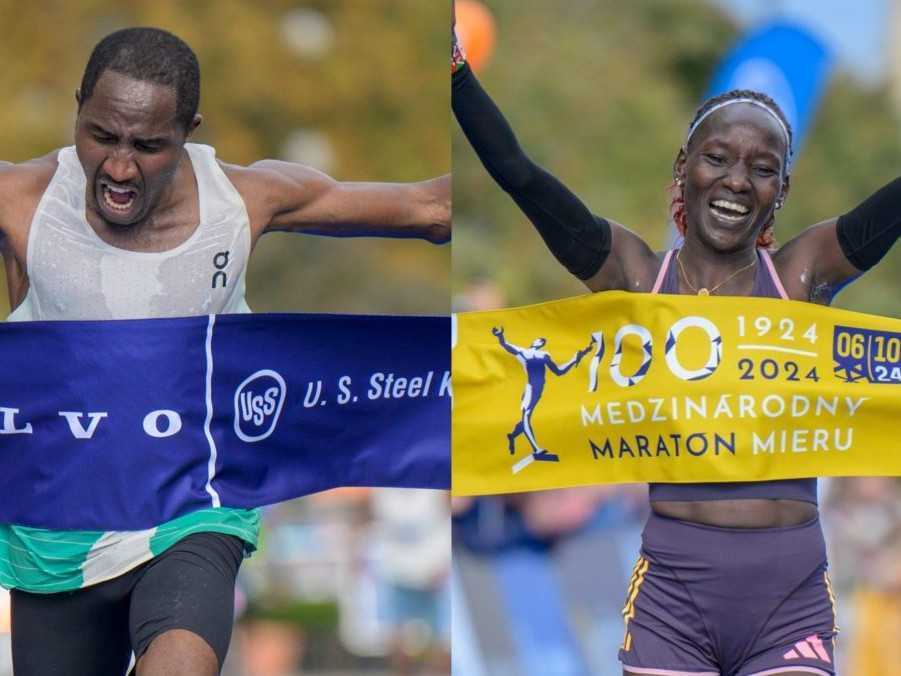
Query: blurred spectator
{"x": 862, "y": 517}
{"x": 412, "y": 532}
{"x": 542, "y": 577}
{"x": 350, "y": 581}
{"x": 874, "y": 647}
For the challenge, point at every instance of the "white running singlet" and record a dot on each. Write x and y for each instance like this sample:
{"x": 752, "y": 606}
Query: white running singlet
{"x": 73, "y": 274}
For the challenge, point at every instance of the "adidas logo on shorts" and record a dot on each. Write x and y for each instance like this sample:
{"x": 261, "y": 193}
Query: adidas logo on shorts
{"x": 811, "y": 648}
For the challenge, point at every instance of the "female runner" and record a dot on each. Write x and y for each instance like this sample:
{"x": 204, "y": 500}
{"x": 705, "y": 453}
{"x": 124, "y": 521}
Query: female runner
{"x": 732, "y": 576}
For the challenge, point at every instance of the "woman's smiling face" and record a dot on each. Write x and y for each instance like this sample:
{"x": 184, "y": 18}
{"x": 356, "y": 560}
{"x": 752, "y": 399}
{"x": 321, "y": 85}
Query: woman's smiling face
{"x": 733, "y": 173}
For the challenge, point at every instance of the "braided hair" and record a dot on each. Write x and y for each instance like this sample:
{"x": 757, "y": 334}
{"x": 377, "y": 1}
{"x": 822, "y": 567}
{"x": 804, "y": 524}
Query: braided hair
{"x": 677, "y": 199}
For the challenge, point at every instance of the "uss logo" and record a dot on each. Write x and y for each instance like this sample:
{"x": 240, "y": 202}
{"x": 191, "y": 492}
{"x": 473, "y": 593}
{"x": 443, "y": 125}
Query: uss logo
{"x": 258, "y": 404}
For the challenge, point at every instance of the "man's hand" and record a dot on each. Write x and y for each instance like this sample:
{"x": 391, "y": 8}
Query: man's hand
{"x": 498, "y": 331}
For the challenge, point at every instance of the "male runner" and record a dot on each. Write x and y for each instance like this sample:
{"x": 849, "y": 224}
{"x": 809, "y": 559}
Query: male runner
{"x": 133, "y": 221}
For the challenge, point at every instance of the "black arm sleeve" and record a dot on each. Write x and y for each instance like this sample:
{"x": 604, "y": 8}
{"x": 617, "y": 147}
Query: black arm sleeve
{"x": 866, "y": 233}
{"x": 576, "y": 237}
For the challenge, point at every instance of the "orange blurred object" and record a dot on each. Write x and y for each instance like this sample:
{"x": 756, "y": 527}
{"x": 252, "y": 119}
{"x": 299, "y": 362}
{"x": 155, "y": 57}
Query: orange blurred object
{"x": 5, "y": 619}
{"x": 476, "y": 31}
{"x": 344, "y": 494}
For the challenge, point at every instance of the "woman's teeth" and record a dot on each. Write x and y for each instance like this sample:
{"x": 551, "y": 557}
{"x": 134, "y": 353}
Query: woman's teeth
{"x": 729, "y": 211}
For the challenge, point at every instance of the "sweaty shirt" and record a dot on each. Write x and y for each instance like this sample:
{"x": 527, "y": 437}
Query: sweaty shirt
{"x": 73, "y": 274}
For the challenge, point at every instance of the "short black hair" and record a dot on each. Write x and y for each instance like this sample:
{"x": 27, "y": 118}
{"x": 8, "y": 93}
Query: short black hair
{"x": 149, "y": 55}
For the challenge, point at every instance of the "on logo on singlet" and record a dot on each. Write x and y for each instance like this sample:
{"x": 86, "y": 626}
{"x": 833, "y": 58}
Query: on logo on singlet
{"x": 220, "y": 262}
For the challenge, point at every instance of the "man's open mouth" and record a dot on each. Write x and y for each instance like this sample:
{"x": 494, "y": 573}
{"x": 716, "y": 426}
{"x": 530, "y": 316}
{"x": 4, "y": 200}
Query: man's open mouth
{"x": 118, "y": 198}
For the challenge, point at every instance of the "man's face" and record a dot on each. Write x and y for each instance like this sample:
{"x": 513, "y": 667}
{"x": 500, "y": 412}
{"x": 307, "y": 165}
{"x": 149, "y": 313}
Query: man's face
{"x": 129, "y": 143}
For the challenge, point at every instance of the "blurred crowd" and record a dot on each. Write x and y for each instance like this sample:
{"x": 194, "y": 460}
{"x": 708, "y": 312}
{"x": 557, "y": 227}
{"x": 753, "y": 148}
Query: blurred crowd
{"x": 353, "y": 581}
{"x": 357, "y": 581}
{"x": 541, "y": 577}
{"x": 862, "y": 520}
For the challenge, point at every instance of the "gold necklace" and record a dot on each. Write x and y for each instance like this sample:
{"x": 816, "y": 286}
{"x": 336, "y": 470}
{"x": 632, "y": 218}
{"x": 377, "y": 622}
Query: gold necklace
{"x": 703, "y": 291}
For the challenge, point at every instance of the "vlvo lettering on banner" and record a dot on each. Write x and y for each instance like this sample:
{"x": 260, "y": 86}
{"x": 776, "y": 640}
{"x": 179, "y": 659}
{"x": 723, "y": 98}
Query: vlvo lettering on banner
{"x": 690, "y": 389}
{"x": 80, "y": 430}
{"x": 236, "y": 410}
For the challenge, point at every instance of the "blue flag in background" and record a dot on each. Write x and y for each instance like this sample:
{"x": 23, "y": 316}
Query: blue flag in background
{"x": 783, "y": 60}
{"x": 123, "y": 425}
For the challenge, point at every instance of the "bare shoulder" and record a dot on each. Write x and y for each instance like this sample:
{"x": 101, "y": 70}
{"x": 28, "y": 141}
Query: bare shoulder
{"x": 640, "y": 262}
{"x": 631, "y": 265}
{"x": 30, "y": 175}
{"x": 245, "y": 179}
{"x": 812, "y": 264}
{"x": 272, "y": 187}
{"x": 239, "y": 173}
{"x": 266, "y": 178}
{"x": 793, "y": 262}
{"x": 804, "y": 244}
{"x": 21, "y": 187}
{"x": 255, "y": 184}
{"x": 268, "y": 175}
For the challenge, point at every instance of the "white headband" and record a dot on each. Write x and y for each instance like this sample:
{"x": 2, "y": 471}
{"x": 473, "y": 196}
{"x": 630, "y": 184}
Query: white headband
{"x": 753, "y": 102}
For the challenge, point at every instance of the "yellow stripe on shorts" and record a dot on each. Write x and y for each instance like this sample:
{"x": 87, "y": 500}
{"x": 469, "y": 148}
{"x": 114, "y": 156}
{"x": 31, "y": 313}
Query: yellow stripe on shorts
{"x": 638, "y": 575}
{"x": 832, "y": 601}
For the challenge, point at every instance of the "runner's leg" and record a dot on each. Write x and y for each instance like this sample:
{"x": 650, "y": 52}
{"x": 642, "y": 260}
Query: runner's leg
{"x": 83, "y": 632}
{"x": 183, "y": 605}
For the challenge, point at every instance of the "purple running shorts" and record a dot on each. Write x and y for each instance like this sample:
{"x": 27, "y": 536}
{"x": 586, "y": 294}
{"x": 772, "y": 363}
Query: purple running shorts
{"x": 708, "y": 601}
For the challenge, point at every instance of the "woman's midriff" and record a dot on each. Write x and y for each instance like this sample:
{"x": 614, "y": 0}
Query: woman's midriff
{"x": 755, "y": 513}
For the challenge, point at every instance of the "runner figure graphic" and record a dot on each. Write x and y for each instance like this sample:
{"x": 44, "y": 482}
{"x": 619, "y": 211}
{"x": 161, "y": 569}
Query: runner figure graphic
{"x": 534, "y": 361}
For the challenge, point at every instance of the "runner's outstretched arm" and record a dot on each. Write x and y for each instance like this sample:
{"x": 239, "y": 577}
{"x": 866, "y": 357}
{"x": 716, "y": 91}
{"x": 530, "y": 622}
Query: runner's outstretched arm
{"x": 867, "y": 232}
{"x": 581, "y": 241}
{"x": 577, "y": 238}
{"x": 292, "y": 197}
{"x": 838, "y": 250}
